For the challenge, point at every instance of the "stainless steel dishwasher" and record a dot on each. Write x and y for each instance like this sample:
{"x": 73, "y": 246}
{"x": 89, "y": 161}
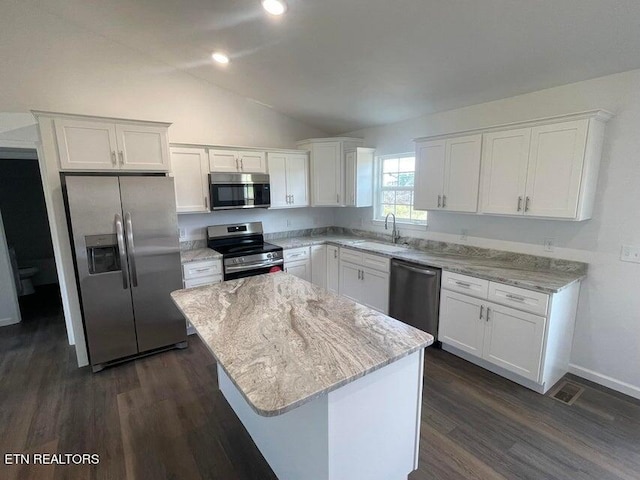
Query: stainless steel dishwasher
{"x": 414, "y": 295}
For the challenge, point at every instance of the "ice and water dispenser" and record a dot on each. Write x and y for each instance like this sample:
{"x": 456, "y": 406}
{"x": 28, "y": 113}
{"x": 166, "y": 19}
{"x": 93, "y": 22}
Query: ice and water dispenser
{"x": 102, "y": 253}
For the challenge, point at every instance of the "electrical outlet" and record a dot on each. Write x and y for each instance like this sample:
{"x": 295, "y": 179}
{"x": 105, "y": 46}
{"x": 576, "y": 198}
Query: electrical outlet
{"x": 464, "y": 235}
{"x": 289, "y": 222}
{"x": 548, "y": 244}
{"x": 630, "y": 253}
{"x": 182, "y": 233}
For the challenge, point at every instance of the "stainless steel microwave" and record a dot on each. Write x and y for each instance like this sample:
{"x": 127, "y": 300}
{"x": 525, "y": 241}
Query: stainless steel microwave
{"x": 239, "y": 190}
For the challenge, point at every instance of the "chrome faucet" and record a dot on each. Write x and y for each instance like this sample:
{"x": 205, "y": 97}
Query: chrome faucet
{"x": 395, "y": 234}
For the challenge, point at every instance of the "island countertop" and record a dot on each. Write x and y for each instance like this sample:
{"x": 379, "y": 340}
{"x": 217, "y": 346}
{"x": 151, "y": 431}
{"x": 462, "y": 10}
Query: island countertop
{"x": 284, "y": 342}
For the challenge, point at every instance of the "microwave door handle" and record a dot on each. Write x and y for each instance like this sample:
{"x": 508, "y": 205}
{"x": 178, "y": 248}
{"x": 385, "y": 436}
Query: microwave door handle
{"x": 122, "y": 251}
{"x": 132, "y": 250}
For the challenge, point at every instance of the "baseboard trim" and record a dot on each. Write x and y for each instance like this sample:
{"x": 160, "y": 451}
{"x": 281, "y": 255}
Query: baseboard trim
{"x": 4, "y": 322}
{"x": 605, "y": 381}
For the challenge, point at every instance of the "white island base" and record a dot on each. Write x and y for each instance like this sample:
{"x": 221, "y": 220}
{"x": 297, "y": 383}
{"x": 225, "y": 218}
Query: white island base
{"x": 366, "y": 429}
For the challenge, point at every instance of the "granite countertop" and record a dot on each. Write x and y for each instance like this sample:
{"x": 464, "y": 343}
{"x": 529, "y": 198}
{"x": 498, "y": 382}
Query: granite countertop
{"x": 510, "y": 268}
{"x": 284, "y": 342}
{"x": 199, "y": 254}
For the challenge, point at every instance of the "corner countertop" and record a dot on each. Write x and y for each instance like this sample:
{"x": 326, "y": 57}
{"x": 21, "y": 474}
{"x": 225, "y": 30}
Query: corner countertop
{"x": 510, "y": 269}
{"x": 284, "y": 342}
{"x": 199, "y": 254}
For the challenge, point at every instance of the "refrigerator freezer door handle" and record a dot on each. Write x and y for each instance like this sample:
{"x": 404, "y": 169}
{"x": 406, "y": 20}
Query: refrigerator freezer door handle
{"x": 132, "y": 250}
{"x": 122, "y": 250}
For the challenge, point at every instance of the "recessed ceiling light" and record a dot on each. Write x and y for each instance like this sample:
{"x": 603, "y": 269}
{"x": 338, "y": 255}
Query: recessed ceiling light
{"x": 274, "y": 7}
{"x": 220, "y": 57}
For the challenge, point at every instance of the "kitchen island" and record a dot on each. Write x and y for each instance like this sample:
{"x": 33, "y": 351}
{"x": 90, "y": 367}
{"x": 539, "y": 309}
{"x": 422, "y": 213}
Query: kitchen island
{"x": 327, "y": 388}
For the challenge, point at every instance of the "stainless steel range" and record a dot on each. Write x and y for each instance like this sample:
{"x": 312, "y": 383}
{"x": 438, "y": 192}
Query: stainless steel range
{"x": 244, "y": 251}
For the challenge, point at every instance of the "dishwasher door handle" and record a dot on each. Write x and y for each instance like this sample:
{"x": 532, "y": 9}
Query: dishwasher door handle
{"x": 428, "y": 273}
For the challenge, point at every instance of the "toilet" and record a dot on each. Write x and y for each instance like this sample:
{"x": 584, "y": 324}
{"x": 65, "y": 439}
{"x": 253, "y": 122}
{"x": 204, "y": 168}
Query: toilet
{"x": 26, "y": 273}
{"x": 23, "y": 276}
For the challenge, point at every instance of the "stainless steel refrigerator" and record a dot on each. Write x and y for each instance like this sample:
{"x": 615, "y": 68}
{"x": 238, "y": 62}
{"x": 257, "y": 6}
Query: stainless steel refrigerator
{"x": 127, "y": 254}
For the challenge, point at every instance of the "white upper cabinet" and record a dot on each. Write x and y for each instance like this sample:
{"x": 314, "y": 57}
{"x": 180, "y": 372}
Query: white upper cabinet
{"x": 462, "y": 174}
{"x": 289, "y": 179}
{"x": 237, "y": 161}
{"x": 548, "y": 170}
{"x": 447, "y": 174}
{"x": 224, "y": 161}
{"x": 545, "y": 168}
{"x": 430, "y": 158}
{"x": 86, "y": 144}
{"x": 328, "y": 171}
{"x": 505, "y": 157}
{"x": 555, "y": 169}
{"x": 190, "y": 167}
{"x": 359, "y": 177}
{"x": 143, "y": 147}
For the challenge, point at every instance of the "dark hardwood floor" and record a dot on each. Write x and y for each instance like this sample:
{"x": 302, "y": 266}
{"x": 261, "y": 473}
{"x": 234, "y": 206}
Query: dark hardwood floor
{"x": 162, "y": 417}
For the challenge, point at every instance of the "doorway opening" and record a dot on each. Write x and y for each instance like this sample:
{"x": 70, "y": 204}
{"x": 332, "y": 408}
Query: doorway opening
{"x": 25, "y": 243}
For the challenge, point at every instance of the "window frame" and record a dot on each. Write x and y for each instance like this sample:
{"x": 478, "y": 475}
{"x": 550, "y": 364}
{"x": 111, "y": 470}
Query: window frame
{"x": 378, "y": 188}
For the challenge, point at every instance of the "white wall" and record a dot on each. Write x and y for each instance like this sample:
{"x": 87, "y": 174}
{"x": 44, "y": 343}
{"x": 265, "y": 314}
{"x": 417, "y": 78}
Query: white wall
{"x": 52, "y": 64}
{"x": 607, "y": 339}
{"x": 272, "y": 220}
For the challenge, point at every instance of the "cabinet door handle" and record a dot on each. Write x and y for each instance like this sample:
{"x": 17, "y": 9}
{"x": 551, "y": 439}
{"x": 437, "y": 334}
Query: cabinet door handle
{"x": 439, "y": 201}
{"x": 517, "y": 298}
{"x": 481, "y": 311}
{"x": 444, "y": 201}
{"x": 519, "y": 204}
{"x": 337, "y": 198}
{"x": 237, "y": 164}
{"x": 463, "y": 284}
{"x": 335, "y": 254}
{"x": 242, "y": 163}
{"x": 121, "y": 153}
{"x": 362, "y": 275}
{"x": 526, "y": 204}
{"x": 206, "y": 202}
{"x": 488, "y": 313}
{"x": 293, "y": 199}
{"x": 113, "y": 158}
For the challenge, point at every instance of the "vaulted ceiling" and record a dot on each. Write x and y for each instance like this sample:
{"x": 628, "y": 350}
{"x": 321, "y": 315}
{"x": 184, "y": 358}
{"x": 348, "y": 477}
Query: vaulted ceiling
{"x": 341, "y": 65}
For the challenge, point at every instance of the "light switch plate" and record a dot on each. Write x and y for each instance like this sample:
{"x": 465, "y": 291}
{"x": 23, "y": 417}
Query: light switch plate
{"x": 630, "y": 253}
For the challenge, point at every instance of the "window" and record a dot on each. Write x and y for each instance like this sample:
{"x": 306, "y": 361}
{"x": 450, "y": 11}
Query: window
{"x": 394, "y": 192}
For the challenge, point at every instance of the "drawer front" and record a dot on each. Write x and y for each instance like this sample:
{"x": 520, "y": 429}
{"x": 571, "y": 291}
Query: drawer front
{"x": 352, "y": 256}
{"x": 465, "y": 284}
{"x": 198, "y": 282}
{"x": 202, "y": 269}
{"x": 376, "y": 262}
{"x": 295, "y": 254}
{"x": 514, "y": 297}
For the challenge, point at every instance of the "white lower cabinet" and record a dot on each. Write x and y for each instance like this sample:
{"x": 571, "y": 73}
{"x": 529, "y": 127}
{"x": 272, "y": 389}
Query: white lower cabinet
{"x": 198, "y": 274}
{"x": 529, "y": 334}
{"x": 319, "y": 265}
{"x": 297, "y": 261}
{"x": 460, "y": 323}
{"x": 333, "y": 269}
{"x": 513, "y": 340}
{"x": 362, "y": 283}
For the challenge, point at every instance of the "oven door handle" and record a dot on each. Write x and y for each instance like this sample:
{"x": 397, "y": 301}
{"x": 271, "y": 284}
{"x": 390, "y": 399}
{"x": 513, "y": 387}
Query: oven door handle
{"x": 251, "y": 266}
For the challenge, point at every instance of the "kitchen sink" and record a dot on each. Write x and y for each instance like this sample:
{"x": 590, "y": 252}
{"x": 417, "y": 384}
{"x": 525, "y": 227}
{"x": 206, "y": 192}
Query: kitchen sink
{"x": 382, "y": 247}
